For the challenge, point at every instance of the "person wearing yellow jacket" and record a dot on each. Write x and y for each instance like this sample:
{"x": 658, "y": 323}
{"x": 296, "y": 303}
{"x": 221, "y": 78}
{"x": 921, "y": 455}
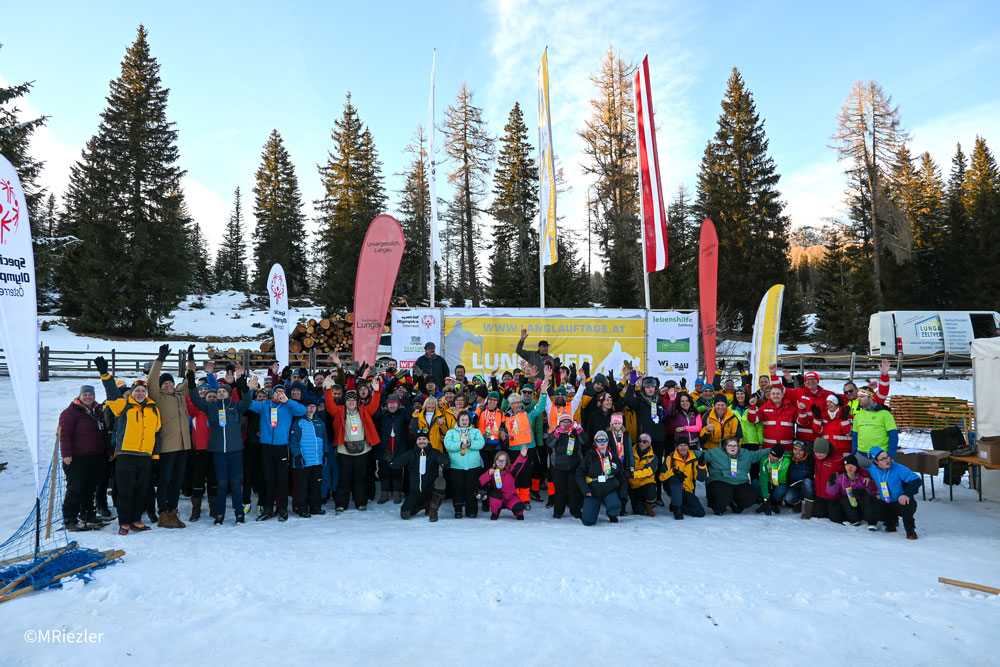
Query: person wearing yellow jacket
{"x": 136, "y": 439}
{"x": 642, "y": 477}
{"x": 681, "y": 471}
{"x": 720, "y": 423}
{"x": 434, "y": 419}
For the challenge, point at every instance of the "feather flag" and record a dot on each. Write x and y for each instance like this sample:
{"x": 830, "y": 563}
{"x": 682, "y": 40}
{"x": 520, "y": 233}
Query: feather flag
{"x": 654, "y": 217}
{"x": 435, "y": 238}
{"x": 546, "y": 170}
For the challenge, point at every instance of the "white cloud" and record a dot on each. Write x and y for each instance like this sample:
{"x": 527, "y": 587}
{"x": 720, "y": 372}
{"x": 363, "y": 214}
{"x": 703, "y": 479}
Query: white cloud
{"x": 814, "y": 194}
{"x": 939, "y": 136}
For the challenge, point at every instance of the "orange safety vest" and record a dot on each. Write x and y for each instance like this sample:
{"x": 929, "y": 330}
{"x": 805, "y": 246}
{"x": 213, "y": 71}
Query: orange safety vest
{"x": 490, "y": 422}
{"x": 555, "y": 412}
{"x": 518, "y": 429}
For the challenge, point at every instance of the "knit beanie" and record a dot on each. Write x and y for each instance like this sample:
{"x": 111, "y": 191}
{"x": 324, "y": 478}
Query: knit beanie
{"x": 821, "y": 446}
{"x": 777, "y": 451}
{"x": 86, "y": 389}
{"x": 851, "y": 459}
{"x": 166, "y": 377}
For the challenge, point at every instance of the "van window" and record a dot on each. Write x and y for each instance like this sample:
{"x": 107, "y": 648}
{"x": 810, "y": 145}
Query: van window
{"x": 983, "y": 325}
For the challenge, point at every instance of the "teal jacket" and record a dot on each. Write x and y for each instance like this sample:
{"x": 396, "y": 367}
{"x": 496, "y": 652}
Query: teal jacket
{"x": 453, "y": 443}
{"x": 720, "y": 470}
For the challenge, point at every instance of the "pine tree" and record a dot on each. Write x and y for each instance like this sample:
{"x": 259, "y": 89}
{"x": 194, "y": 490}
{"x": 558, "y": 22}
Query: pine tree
{"x": 515, "y": 210}
{"x": 982, "y": 204}
{"x": 125, "y": 204}
{"x": 869, "y": 135}
{"x": 845, "y": 281}
{"x": 471, "y": 149}
{"x": 15, "y": 140}
{"x": 415, "y": 218}
{"x": 737, "y": 189}
{"x": 452, "y": 276}
{"x": 202, "y": 276}
{"x": 959, "y": 236}
{"x": 677, "y": 285}
{"x": 609, "y": 143}
{"x": 230, "y": 263}
{"x": 566, "y": 281}
{"x": 353, "y": 196}
{"x": 919, "y": 196}
{"x": 279, "y": 235}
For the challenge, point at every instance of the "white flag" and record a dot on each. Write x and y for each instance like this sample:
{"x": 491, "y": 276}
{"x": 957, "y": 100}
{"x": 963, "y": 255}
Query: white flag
{"x": 435, "y": 239}
{"x": 19, "y": 308}
{"x": 277, "y": 293}
{"x": 546, "y": 171}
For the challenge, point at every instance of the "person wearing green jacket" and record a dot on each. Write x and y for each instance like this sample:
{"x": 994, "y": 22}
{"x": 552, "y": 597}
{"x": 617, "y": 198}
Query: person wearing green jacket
{"x": 729, "y": 476}
{"x": 753, "y": 434}
{"x": 773, "y": 480}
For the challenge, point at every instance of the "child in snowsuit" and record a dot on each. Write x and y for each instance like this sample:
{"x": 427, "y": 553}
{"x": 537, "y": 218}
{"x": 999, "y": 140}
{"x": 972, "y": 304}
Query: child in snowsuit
{"x": 499, "y": 484}
{"x": 599, "y": 477}
{"x": 426, "y": 486}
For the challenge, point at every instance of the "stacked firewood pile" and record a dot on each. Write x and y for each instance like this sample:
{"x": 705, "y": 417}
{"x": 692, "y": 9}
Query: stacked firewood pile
{"x": 330, "y": 335}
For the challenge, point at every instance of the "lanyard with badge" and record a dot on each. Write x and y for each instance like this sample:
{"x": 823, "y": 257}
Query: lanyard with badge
{"x": 222, "y": 416}
{"x": 274, "y": 415}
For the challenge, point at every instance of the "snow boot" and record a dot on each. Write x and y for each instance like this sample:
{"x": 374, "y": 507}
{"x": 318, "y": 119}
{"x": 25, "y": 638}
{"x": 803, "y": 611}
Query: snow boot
{"x": 625, "y": 513}
{"x": 650, "y": 509}
{"x": 807, "y": 509}
{"x": 891, "y": 527}
{"x": 397, "y": 497}
{"x": 164, "y": 521}
{"x": 240, "y": 518}
{"x": 519, "y": 517}
{"x": 283, "y": 516}
{"x": 433, "y": 505}
{"x": 536, "y": 496}
{"x": 472, "y": 511}
{"x": 176, "y": 519}
{"x": 106, "y": 514}
{"x": 613, "y": 518}
{"x": 776, "y": 507}
{"x": 195, "y": 508}
{"x": 911, "y": 534}
{"x": 678, "y": 514}
{"x": 458, "y": 511}
{"x": 218, "y": 521}
{"x": 383, "y": 498}
{"x": 797, "y": 507}
{"x": 77, "y": 527}
{"x": 494, "y": 517}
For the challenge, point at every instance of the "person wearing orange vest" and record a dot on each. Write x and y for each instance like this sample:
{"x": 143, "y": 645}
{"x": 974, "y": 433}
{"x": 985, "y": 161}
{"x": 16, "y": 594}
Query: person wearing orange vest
{"x": 516, "y": 432}
{"x": 488, "y": 418}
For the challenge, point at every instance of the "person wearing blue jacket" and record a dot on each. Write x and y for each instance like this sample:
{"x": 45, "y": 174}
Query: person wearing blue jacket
{"x": 276, "y": 417}
{"x": 463, "y": 444}
{"x": 225, "y": 441}
{"x": 309, "y": 448}
{"x": 895, "y": 493}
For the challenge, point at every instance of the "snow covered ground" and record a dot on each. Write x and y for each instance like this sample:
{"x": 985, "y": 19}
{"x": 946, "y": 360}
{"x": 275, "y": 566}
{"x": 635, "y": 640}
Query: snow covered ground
{"x": 368, "y": 588}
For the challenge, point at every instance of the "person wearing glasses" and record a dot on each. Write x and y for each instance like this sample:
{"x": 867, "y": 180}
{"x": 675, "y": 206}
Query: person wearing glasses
{"x": 599, "y": 477}
{"x": 873, "y": 426}
{"x": 895, "y": 493}
{"x": 881, "y": 389}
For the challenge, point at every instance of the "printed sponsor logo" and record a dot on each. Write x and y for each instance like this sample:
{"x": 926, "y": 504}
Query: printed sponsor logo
{"x": 679, "y": 345}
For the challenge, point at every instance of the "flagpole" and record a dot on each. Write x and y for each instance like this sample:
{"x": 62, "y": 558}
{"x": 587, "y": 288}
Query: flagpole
{"x": 541, "y": 212}
{"x": 433, "y": 185}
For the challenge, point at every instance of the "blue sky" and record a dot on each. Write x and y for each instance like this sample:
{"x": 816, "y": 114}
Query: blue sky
{"x": 237, "y": 70}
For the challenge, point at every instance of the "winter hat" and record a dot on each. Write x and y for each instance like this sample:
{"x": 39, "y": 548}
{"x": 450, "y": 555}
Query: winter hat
{"x": 297, "y": 385}
{"x": 866, "y": 390}
{"x": 166, "y": 377}
{"x": 351, "y": 395}
{"x": 542, "y": 343}
{"x": 821, "y": 446}
{"x": 600, "y": 378}
{"x": 429, "y": 346}
{"x": 482, "y": 391}
{"x": 565, "y": 417}
{"x": 670, "y": 384}
{"x": 699, "y": 382}
{"x": 277, "y": 387}
{"x": 450, "y": 389}
{"x": 617, "y": 419}
{"x": 777, "y": 451}
{"x": 309, "y": 399}
{"x": 560, "y": 391}
{"x": 203, "y": 385}
{"x": 391, "y": 398}
{"x": 146, "y": 367}
{"x": 833, "y": 398}
{"x": 851, "y": 459}
{"x": 510, "y": 385}
{"x": 874, "y": 452}
{"x": 811, "y": 374}
{"x": 799, "y": 443}
{"x": 493, "y": 395}
{"x": 86, "y": 389}
{"x": 600, "y": 434}
{"x": 721, "y": 398}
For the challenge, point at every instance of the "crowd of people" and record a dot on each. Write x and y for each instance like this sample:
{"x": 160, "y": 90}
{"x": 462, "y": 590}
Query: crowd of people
{"x": 488, "y": 444}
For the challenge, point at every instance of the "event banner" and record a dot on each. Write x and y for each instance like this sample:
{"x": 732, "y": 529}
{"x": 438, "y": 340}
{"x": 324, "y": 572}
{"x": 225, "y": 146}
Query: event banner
{"x": 19, "y": 308}
{"x": 411, "y": 330}
{"x": 277, "y": 293}
{"x": 654, "y": 215}
{"x": 672, "y": 345}
{"x": 708, "y": 280}
{"x": 546, "y": 170}
{"x": 378, "y": 265}
{"x": 485, "y": 339}
{"x": 766, "y": 327}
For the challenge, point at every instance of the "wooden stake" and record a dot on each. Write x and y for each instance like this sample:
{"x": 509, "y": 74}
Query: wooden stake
{"x": 965, "y": 584}
{"x": 108, "y": 556}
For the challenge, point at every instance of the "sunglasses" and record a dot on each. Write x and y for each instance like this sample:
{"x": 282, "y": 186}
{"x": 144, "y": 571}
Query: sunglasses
{"x": 140, "y": 383}
{"x": 645, "y": 440}
{"x": 601, "y": 440}
{"x": 850, "y": 391}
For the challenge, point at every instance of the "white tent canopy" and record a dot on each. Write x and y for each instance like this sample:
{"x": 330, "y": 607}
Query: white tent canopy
{"x": 986, "y": 385}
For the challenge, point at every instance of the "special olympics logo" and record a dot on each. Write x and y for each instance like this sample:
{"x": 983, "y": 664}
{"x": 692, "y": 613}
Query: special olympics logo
{"x": 428, "y": 321}
{"x": 277, "y": 287}
{"x": 10, "y": 211}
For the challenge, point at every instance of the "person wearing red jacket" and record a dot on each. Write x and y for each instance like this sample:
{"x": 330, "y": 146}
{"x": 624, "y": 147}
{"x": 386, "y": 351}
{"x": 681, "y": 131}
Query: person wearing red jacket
{"x": 832, "y": 422}
{"x": 201, "y": 463}
{"x": 826, "y": 504}
{"x": 804, "y": 398}
{"x": 777, "y": 416}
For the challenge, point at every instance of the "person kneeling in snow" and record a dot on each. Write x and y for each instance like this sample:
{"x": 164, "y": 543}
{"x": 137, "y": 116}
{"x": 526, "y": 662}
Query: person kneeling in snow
{"x": 426, "y": 486}
{"x": 599, "y": 477}
{"x": 855, "y": 492}
{"x": 729, "y": 476}
{"x": 642, "y": 478}
{"x": 895, "y": 486}
{"x": 681, "y": 472}
{"x": 498, "y": 482}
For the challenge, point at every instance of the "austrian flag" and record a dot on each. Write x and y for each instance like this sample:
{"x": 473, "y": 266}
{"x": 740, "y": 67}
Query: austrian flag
{"x": 654, "y": 217}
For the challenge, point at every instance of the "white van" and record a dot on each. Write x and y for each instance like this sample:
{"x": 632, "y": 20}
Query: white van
{"x": 918, "y": 332}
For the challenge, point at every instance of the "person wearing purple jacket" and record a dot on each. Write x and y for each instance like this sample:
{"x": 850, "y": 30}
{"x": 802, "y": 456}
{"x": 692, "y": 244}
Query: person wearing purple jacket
{"x": 856, "y": 492}
{"x": 685, "y": 420}
{"x": 83, "y": 443}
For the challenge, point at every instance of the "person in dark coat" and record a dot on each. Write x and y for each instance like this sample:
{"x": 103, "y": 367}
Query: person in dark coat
{"x": 393, "y": 423}
{"x": 599, "y": 477}
{"x": 426, "y": 485}
{"x": 567, "y": 443}
{"x": 83, "y": 443}
{"x": 432, "y": 366}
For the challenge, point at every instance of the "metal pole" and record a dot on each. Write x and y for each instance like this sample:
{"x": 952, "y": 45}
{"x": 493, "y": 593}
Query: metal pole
{"x": 944, "y": 367}
{"x": 113, "y": 361}
{"x": 899, "y": 367}
{"x": 854, "y": 359}
{"x": 38, "y": 521}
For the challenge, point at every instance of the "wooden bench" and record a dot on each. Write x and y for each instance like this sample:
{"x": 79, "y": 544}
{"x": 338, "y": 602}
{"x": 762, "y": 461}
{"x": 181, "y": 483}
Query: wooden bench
{"x": 974, "y": 463}
{"x": 931, "y": 412}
